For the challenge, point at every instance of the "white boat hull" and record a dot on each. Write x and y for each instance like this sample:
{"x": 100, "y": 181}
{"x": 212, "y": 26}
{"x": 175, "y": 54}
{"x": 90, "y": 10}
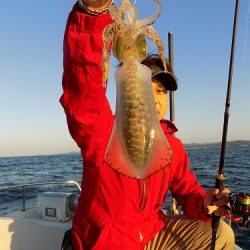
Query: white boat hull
{"x": 26, "y": 231}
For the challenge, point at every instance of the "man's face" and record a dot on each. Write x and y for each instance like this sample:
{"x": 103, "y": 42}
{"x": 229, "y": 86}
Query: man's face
{"x": 161, "y": 98}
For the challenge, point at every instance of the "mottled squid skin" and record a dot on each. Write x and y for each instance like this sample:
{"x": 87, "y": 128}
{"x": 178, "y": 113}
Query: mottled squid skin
{"x": 134, "y": 124}
{"x": 137, "y": 139}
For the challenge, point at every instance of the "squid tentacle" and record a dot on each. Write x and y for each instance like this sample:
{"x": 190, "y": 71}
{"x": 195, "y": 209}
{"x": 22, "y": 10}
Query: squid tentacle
{"x": 151, "y": 33}
{"x": 114, "y": 12}
{"x": 150, "y": 20}
{"x": 125, "y": 6}
{"x": 131, "y": 16}
{"x": 108, "y": 37}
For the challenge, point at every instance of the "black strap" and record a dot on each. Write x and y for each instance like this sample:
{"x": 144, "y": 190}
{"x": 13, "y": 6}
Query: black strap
{"x": 67, "y": 241}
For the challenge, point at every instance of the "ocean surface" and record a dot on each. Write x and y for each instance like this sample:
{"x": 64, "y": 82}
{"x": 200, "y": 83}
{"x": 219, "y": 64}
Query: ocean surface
{"x": 204, "y": 160}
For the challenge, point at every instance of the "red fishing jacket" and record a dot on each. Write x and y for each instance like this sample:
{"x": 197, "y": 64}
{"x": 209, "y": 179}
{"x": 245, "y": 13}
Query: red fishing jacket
{"x": 114, "y": 211}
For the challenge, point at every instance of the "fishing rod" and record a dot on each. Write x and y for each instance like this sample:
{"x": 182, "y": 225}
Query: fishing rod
{"x": 241, "y": 198}
{"x": 174, "y": 209}
{"x": 171, "y": 63}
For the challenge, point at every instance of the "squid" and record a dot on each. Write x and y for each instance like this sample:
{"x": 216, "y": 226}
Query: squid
{"x": 137, "y": 147}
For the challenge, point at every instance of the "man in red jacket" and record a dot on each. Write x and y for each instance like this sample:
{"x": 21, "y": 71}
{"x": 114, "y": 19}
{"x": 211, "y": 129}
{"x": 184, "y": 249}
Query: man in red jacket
{"x": 115, "y": 211}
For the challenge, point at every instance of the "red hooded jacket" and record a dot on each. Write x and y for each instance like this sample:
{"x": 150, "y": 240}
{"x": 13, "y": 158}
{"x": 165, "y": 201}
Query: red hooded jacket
{"x": 114, "y": 211}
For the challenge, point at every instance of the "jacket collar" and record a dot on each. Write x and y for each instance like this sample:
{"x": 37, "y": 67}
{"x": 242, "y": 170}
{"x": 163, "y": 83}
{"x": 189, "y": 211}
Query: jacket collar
{"x": 168, "y": 127}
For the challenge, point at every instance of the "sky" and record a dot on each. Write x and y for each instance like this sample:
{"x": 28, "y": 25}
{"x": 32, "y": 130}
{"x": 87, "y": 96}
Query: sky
{"x": 31, "y": 34}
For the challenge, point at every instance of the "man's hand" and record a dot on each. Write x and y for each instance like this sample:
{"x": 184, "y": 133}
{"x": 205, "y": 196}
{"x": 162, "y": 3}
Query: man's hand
{"x": 217, "y": 202}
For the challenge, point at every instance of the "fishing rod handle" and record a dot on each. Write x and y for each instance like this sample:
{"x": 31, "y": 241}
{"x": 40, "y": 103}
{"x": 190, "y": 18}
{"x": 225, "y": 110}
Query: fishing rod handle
{"x": 219, "y": 184}
{"x": 219, "y": 181}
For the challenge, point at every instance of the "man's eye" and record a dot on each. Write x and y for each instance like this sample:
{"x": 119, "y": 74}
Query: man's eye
{"x": 161, "y": 91}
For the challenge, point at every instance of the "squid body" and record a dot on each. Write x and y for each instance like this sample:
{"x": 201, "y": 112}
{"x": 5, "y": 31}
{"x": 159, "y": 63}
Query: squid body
{"x": 137, "y": 147}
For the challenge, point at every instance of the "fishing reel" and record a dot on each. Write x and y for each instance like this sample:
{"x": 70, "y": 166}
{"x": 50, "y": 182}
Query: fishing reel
{"x": 240, "y": 209}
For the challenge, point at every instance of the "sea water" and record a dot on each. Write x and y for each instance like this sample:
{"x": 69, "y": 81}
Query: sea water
{"x": 204, "y": 160}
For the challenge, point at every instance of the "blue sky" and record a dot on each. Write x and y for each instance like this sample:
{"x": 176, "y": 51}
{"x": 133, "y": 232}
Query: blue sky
{"x": 33, "y": 122}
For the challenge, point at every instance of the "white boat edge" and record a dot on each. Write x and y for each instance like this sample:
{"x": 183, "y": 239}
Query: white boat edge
{"x": 42, "y": 227}
{"x": 28, "y": 231}
{"x": 39, "y": 228}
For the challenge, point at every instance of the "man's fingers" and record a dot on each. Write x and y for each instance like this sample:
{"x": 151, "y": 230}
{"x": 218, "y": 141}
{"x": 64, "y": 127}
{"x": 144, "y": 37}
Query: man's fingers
{"x": 223, "y": 193}
{"x": 210, "y": 209}
{"x": 216, "y": 202}
{"x": 221, "y": 202}
{"x": 213, "y": 191}
{"x": 222, "y": 211}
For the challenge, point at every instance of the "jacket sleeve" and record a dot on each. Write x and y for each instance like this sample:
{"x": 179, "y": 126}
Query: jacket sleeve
{"x": 184, "y": 186}
{"x": 88, "y": 113}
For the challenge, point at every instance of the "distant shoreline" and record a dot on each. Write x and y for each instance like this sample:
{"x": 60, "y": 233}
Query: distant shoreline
{"x": 218, "y": 144}
{"x": 239, "y": 143}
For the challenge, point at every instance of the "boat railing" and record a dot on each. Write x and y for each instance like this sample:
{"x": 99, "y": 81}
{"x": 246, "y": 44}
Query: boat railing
{"x": 24, "y": 188}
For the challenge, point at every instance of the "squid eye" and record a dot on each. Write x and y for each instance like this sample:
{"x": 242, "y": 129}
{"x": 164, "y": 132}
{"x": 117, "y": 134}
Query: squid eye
{"x": 119, "y": 48}
{"x": 141, "y": 47}
{"x": 123, "y": 46}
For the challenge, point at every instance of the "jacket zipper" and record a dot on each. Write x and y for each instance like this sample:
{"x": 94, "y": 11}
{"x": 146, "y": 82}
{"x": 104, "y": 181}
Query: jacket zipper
{"x": 141, "y": 238}
{"x": 161, "y": 188}
{"x": 144, "y": 194}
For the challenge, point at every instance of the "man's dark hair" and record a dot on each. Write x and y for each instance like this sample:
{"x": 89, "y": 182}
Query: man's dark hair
{"x": 154, "y": 62}
{"x": 167, "y": 78}
{"x": 155, "y": 59}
